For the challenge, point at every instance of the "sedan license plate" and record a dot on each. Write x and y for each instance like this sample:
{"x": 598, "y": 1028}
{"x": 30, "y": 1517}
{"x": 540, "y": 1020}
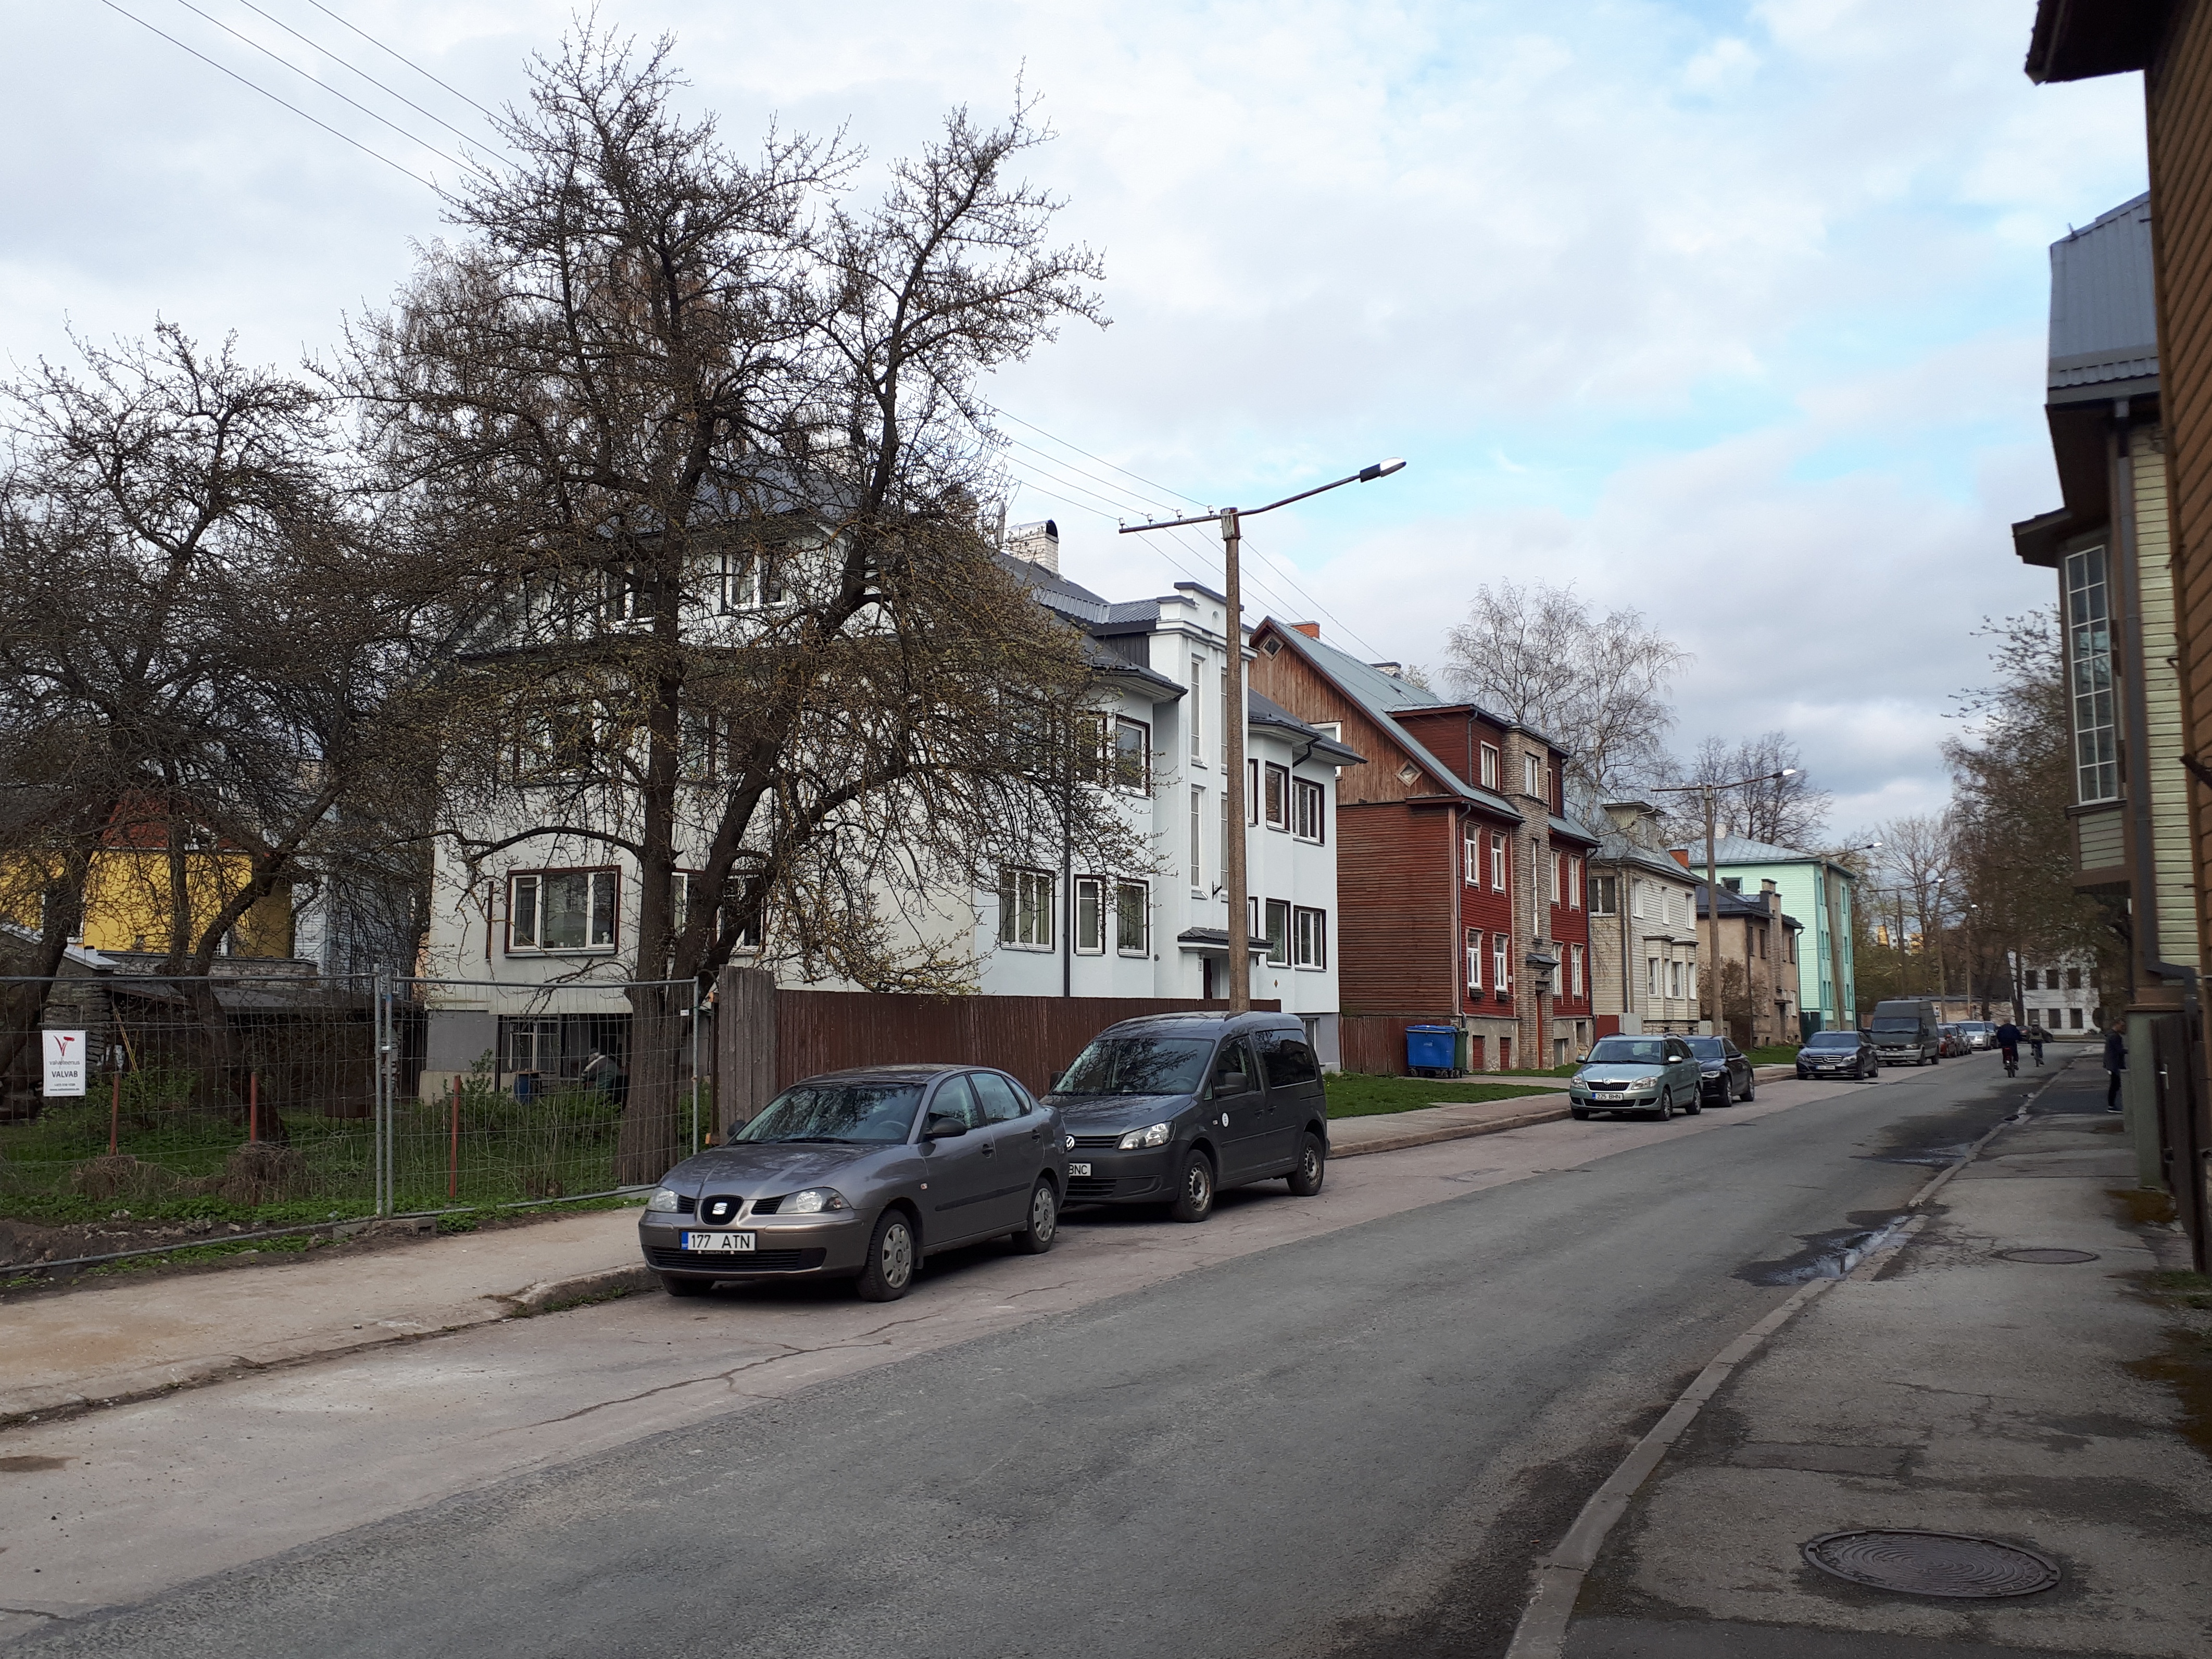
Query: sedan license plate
{"x": 1078, "y": 1169}
{"x": 720, "y": 1243}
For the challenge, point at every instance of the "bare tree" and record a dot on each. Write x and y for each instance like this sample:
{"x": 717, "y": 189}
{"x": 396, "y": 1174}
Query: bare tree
{"x": 1781, "y": 811}
{"x": 1597, "y": 683}
{"x": 200, "y": 638}
{"x": 708, "y": 444}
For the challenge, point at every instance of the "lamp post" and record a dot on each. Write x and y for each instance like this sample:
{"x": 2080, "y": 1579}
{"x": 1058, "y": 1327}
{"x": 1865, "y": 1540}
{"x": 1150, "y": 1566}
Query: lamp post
{"x": 1711, "y": 792}
{"x": 1232, "y": 723}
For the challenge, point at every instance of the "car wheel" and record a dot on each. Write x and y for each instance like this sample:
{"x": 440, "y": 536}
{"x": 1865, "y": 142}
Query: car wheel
{"x": 1665, "y": 1108}
{"x": 1194, "y": 1198}
{"x": 675, "y": 1285}
{"x": 1313, "y": 1165}
{"x": 888, "y": 1273}
{"x": 1697, "y": 1105}
{"x": 1044, "y": 1220}
{"x": 1750, "y": 1090}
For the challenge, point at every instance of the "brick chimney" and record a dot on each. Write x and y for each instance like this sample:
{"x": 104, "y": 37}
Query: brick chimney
{"x": 1311, "y": 630}
{"x": 1037, "y": 541}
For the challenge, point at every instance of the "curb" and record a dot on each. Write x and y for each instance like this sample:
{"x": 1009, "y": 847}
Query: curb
{"x": 1447, "y": 1132}
{"x": 550, "y": 1295}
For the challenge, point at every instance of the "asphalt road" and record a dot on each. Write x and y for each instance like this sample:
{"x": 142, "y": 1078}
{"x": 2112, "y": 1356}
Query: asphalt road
{"x": 1348, "y": 1444}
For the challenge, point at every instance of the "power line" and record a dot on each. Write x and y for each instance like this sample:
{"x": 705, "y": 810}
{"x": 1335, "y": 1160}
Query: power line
{"x": 391, "y": 92}
{"x": 257, "y": 87}
{"x": 322, "y": 85}
{"x": 1281, "y": 575}
{"x": 488, "y": 114}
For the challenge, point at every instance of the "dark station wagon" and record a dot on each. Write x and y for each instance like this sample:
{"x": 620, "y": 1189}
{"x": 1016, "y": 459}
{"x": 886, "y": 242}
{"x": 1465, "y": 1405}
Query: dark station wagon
{"x": 1170, "y": 1109}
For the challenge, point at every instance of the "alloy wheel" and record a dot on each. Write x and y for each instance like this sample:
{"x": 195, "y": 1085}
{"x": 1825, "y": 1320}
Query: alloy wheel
{"x": 896, "y": 1262}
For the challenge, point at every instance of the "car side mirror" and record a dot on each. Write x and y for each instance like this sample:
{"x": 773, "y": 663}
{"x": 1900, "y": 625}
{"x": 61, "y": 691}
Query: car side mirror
{"x": 1231, "y": 1083}
{"x": 942, "y": 1128}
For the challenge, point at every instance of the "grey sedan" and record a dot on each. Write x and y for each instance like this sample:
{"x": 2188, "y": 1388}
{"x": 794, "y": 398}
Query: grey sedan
{"x": 858, "y": 1174}
{"x": 1651, "y": 1076}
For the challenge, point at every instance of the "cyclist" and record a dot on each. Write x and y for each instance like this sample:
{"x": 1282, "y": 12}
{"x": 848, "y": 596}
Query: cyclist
{"x": 2007, "y": 1037}
{"x": 2037, "y": 1036}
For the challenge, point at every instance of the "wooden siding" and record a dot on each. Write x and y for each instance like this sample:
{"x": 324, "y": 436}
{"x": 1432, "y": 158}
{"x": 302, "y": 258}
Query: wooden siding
{"x": 1394, "y": 877}
{"x": 2163, "y": 736}
{"x": 1287, "y": 679}
{"x": 2179, "y": 103}
{"x": 2102, "y": 837}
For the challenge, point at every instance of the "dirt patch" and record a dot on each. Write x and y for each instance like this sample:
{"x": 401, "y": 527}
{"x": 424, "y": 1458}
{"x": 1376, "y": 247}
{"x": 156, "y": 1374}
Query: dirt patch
{"x": 2143, "y": 1206}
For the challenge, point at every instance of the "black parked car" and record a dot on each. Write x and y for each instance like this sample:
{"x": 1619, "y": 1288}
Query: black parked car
{"x": 1838, "y": 1054}
{"x": 1724, "y": 1075}
{"x": 1171, "y": 1108}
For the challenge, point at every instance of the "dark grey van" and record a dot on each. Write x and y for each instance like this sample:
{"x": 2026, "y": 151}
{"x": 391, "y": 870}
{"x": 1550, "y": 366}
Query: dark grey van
{"x": 1172, "y": 1107}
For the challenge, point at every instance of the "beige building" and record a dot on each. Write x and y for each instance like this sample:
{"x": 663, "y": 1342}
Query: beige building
{"x": 1758, "y": 949}
{"x": 1643, "y": 927}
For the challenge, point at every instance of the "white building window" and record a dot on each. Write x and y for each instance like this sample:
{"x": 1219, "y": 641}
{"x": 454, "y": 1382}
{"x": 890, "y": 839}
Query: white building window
{"x": 1090, "y": 916}
{"x": 1278, "y": 796}
{"x": 1498, "y": 863}
{"x": 1575, "y": 969}
{"x": 1197, "y": 827}
{"x": 1310, "y": 937}
{"x": 1026, "y": 909}
{"x": 1651, "y": 976}
{"x": 1133, "y": 917}
{"x": 1558, "y": 878}
{"x": 1574, "y": 883}
{"x": 562, "y": 910}
{"x": 1605, "y": 896}
{"x": 1501, "y": 963}
{"x": 2089, "y": 677}
{"x": 1475, "y": 958}
{"x": 750, "y": 582}
{"x": 1308, "y": 810}
{"x": 1490, "y": 765}
{"x": 1191, "y": 706}
{"x": 1531, "y": 775}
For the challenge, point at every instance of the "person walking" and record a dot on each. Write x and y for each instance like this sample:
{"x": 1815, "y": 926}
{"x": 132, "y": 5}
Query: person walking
{"x": 2116, "y": 1064}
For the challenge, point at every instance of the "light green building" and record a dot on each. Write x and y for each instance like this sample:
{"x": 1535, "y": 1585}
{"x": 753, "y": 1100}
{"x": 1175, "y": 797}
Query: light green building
{"x": 1815, "y": 890}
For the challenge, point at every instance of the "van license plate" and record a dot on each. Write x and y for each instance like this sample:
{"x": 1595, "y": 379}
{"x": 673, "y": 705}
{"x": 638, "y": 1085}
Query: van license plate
{"x": 720, "y": 1243}
{"x": 1078, "y": 1169}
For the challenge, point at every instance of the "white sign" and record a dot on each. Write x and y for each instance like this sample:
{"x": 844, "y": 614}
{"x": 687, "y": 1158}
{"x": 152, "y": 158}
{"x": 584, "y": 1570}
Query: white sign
{"x": 64, "y": 1062}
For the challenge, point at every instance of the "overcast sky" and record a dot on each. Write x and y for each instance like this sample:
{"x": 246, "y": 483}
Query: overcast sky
{"x": 1733, "y": 313}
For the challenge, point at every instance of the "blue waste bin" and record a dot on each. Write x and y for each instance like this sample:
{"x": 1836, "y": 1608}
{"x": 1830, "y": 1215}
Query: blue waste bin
{"x": 1432, "y": 1050}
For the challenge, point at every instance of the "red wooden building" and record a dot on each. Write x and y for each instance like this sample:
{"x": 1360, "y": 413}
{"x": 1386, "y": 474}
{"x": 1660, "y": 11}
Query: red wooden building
{"x": 1461, "y": 884}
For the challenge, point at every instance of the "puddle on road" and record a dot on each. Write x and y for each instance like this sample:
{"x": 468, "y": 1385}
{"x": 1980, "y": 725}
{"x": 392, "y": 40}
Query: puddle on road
{"x": 1936, "y": 1157}
{"x": 1829, "y": 1255}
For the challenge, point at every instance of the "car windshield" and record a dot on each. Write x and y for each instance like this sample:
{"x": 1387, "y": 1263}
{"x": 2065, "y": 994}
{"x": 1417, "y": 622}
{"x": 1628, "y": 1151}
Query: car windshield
{"x": 1833, "y": 1040}
{"x": 1897, "y": 1025}
{"x": 839, "y": 1112}
{"x": 1628, "y": 1051}
{"x": 1706, "y": 1048}
{"x": 1138, "y": 1066}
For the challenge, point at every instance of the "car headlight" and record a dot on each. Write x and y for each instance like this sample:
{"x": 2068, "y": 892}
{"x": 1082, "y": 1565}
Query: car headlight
{"x": 1156, "y": 1135}
{"x": 1645, "y": 1082}
{"x": 813, "y": 1201}
{"x": 665, "y": 1199}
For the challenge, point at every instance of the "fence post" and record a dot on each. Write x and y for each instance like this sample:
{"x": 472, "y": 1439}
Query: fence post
{"x": 379, "y": 1133}
{"x": 115, "y": 1115}
{"x": 453, "y": 1152}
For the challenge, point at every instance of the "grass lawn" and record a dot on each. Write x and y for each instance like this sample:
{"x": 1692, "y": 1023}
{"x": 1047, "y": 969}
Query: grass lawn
{"x": 1353, "y": 1094}
{"x": 1775, "y": 1054}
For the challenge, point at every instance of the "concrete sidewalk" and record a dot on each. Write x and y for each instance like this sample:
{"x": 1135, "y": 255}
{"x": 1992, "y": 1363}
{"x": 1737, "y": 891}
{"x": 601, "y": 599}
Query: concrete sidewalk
{"x": 1944, "y": 1387}
{"x": 104, "y": 1343}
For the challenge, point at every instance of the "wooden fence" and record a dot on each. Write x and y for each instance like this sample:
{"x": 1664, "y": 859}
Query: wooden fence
{"x": 768, "y": 1038}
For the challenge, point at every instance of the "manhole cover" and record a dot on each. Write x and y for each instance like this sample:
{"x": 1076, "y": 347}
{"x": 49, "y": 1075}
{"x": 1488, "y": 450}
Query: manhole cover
{"x": 2048, "y": 1255}
{"x": 1950, "y": 1564}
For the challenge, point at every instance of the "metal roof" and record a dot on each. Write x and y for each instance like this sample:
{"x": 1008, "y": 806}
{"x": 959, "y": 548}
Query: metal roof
{"x": 2104, "y": 311}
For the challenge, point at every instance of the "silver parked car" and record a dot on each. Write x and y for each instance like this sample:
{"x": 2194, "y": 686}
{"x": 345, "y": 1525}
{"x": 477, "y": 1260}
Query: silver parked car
{"x": 860, "y": 1174}
{"x": 1651, "y": 1076}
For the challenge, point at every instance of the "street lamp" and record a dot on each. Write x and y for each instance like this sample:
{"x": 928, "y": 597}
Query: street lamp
{"x": 1232, "y": 724}
{"x": 1710, "y": 791}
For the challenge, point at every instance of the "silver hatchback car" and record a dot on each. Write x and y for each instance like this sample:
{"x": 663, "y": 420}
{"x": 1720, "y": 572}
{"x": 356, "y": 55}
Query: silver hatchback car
{"x": 1651, "y": 1076}
{"x": 858, "y": 1174}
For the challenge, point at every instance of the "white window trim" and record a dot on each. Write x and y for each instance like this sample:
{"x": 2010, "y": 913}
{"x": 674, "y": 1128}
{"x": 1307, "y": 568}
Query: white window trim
{"x": 1010, "y": 883}
{"x": 1095, "y": 889}
{"x": 537, "y": 879}
{"x": 1144, "y": 946}
{"x": 1309, "y": 926}
{"x": 1303, "y": 789}
{"x": 1491, "y": 763}
{"x": 1474, "y": 943}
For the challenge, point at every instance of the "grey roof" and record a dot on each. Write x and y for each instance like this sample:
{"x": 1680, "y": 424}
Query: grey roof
{"x": 1382, "y": 698}
{"x": 1075, "y": 601}
{"x": 2104, "y": 313}
{"x": 1615, "y": 847}
{"x": 1734, "y": 903}
{"x": 1740, "y": 849}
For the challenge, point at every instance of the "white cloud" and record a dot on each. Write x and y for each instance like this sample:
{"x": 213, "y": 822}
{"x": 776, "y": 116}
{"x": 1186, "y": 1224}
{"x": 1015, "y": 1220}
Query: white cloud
{"x": 1751, "y": 296}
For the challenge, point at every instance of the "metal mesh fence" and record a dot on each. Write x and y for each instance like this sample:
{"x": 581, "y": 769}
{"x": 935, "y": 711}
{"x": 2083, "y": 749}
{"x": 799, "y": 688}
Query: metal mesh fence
{"x": 307, "y": 1097}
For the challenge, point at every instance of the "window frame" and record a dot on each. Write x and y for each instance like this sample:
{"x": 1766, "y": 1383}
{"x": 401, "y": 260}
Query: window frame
{"x": 1198, "y": 839}
{"x": 1144, "y": 911}
{"x": 1472, "y": 944}
{"x": 1191, "y": 709}
{"x": 537, "y": 877}
{"x": 1278, "y": 940}
{"x": 1575, "y": 873}
{"x": 2091, "y": 696}
{"x": 749, "y": 582}
{"x": 1114, "y": 760}
{"x": 1017, "y": 882}
{"x": 1276, "y": 787}
{"x": 1304, "y": 793}
{"x": 1501, "y": 869}
{"x": 1501, "y": 963}
{"x": 1094, "y": 889}
{"x": 1493, "y": 761}
{"x": 1309, "y": 938}
{"x": 1608, "y": 886}
{"x": 1575, "y": 960}
{"x": 1532, "y": 777}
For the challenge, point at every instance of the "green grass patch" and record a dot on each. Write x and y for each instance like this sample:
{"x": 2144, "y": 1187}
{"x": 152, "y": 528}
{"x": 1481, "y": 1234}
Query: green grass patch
{"x": 1354, "y": 1094}
{"x": 2189, "y": 1289}
{"x": 1774, "y": 1054}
